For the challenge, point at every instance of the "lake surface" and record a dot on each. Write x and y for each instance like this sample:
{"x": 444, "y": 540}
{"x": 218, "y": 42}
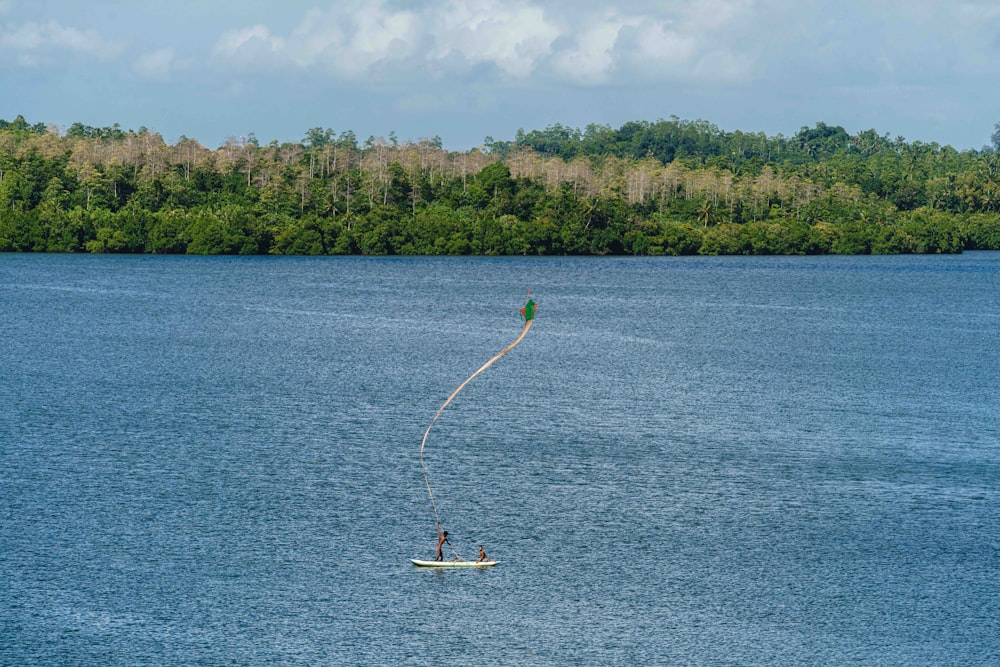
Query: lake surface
{"x": 687, "y": 461}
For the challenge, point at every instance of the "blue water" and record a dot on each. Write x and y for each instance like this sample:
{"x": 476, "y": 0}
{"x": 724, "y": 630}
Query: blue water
{"x": 691, "y": 461}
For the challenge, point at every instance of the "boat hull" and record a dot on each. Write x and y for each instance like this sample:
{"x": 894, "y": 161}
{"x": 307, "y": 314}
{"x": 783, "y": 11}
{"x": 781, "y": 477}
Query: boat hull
{"x": 452, "y": 563}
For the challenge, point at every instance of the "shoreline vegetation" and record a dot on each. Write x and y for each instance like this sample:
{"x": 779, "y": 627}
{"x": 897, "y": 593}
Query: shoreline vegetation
{"x": 669, "y": 187}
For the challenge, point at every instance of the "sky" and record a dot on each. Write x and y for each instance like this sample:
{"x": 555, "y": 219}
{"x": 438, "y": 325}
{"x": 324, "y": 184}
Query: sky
{"x": 464, "y": 70}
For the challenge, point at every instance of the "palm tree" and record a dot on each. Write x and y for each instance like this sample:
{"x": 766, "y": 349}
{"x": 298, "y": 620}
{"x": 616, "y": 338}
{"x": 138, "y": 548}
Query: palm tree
{"x": 705, "y": 211}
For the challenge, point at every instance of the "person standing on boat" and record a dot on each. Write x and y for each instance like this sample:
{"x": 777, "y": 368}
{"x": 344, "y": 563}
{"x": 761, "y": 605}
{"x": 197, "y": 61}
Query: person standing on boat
{"x": 442, "y": 538}
{"x": 482, "y": 555}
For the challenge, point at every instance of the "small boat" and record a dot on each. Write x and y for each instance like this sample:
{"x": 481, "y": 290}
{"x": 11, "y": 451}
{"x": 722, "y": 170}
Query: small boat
{"x": 528, "y": 317}
{"x": 452, "y": 563}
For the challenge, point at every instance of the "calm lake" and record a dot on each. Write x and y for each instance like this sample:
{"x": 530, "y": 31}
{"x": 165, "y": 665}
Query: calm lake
{"x": 687, "y": 461}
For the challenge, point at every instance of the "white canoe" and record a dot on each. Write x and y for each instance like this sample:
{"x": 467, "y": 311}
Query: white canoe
{"x": 452, "y": 563}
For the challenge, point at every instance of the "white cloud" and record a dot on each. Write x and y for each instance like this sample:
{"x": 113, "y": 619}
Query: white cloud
{"x": 351, "y": 40}
{"x": 590, "y": 58}
{"x": 658, "y": 45}
{"x": 37, "y": 42}
{"x": 250, "y": 46}
{"x": 514, "y": 37}
{"x": 696, "y": 40}
{"x": 158, "y": 64}
{"x": 654, "y": 50}
{"x": 518, "y": 40}
{"x": 356, "y": 40}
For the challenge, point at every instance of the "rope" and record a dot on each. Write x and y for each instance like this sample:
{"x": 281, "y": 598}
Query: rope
{"x": 501, "y": 353}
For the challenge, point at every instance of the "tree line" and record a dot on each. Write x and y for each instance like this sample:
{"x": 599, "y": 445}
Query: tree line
{"x": 646, "y": 188}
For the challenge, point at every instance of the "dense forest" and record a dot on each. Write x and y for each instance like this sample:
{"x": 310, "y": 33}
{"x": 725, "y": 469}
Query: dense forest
{"x": 646, "y": 188}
